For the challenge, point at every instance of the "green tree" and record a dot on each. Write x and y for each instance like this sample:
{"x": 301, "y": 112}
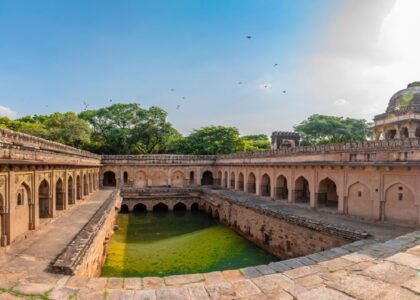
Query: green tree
{"x": 256, "y": 142}
{"x": 211, "y": 140}
{"x": 128, "y": 128}
{"x": 68, "y": 129}
{"x": 321, "y": 129}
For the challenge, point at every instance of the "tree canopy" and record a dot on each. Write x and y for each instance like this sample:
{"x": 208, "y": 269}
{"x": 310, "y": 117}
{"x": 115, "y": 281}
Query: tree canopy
{"x": 129, "y": 129}
{"x": 66, "y": 128}
{"x": 321, "y": 129}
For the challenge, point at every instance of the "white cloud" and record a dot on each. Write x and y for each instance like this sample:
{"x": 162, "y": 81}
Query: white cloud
{"x": 341, "y": 102}
{"x": 363, "y": 55}
{"x": 7, "y": 112}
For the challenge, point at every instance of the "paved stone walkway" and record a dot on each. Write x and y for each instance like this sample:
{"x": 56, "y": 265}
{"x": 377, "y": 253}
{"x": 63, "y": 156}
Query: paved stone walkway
{"x": 30, "y": 258}
{"x": 364, "y": 269}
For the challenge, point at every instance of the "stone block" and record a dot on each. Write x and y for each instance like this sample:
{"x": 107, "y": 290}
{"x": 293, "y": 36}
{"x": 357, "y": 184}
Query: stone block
{"x": 413, "y": 285}
{"x": 221, "y": 291}
{"x": 250, "y": 272}
{"x": 309, "y": 281}
{"x": 336, "y": 263}
{"x": 179, "y": 280}
{"x": 144, "y": 295}
{"x": 213, "y": 277}
{"x": 390, "y": 272}
{"x": 323, "y": 293}
{"x": 406, "y": 259}
{"x": 152, "y": 283}
{"x": 300, "y": 272}
{"x": 114, "y": 283}
{"x": 198, "y": 293}
{"x": 281, "y": 280}
{"x": 132, "y": 283}
{"x": 265, "y": 270}
{"x": 360, "y": 287}
{"x": 245, "y": 288}
{"x": 172, "y": 293}
{"x": 232, "y": 275}
{"x": 29, "y": 288}
{"x": 279, "y": 266}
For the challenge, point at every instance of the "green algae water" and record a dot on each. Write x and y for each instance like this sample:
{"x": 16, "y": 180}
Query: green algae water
{"x": 169, "y": 243}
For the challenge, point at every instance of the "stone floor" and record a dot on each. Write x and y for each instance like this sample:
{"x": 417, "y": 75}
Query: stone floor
{"x": 365, "y": 269}
{"x": 29, "y": 258}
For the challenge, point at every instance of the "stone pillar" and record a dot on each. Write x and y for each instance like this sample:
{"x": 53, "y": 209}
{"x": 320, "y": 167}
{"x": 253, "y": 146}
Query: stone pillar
{"x": 258, "y": 182}
{"x": 246, "y": 181}
{"x": 291, "y": 187}
{"x": 398, "y": 133}
{"x": 411, "y": 131}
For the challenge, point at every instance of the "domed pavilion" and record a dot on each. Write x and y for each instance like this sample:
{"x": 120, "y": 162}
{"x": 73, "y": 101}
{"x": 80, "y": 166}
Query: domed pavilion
{"x": 402, "y": 117}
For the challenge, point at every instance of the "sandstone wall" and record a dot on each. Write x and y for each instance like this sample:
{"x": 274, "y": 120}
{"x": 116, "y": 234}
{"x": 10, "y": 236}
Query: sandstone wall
{"x": 85, "y": 255}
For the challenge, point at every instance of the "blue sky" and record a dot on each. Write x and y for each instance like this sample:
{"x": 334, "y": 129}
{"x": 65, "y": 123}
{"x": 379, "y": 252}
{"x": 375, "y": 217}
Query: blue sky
{"x": 56, "y": 55}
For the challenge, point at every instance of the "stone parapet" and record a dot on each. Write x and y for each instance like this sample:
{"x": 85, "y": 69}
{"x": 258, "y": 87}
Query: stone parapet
{"x": 158, "y": 159}
{"x": 20, "y": 148}
{"x": 21, "y": 140}
{"x": 84, "y": 255}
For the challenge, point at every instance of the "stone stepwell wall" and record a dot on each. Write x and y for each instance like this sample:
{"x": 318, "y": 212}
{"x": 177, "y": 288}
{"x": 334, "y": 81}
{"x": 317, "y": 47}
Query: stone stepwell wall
{"x": 282, "y": 234}
{"x": 285, "y": 236}
{"x": 85, "y": 254}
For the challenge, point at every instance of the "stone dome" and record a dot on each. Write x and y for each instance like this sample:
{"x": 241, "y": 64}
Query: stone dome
{"x": 406, "y": 99}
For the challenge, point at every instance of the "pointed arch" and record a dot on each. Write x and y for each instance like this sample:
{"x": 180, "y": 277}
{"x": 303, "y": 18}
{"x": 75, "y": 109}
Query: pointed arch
{"x": 59, "y": 194}
{"x": 232, "y": 180}
{"x": 301, "y": 193}
{"x": 359, "y": 200}
{"x": 400, "y": 206}
{"x": 282, "y": 192}
{"x": 265, "y": 185}
{"x": 78, "y": 187}
{"x": 327, "y": 193}
{"x": 252, "y": 184}
{"x": 178, "y": 179}
{"x": 44, "y": 200}
{"x": 241, "y": 185}
{"x": 70, "y": 190}
{"x": 140, "y": 180}
{"x": 109, "y": 179}
{"x": 207, "y": 178}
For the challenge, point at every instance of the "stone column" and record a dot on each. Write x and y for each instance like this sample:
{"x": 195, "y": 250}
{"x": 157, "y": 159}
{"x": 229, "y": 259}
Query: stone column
{"x": 258, "y": 182}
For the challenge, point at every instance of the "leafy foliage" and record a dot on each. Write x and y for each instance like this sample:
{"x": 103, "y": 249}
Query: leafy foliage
{"x": 257, "y": 142}
{"x": 65, "y": 128}
{"x": 128, "y": 128}
{"x": 210, "y": 140}
{"x": 321, "y": 129}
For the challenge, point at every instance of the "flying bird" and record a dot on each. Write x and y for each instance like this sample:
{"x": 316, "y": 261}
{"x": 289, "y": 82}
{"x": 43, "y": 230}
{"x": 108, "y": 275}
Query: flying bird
{"x": 86, "y": 106}
{"x": 284, "y": 92}
{"x": 240, "y": 82}
{"x": 275, "y": 65}
{"x": 172, "y": 90}
{"x": 178, "y": 106}
{"x": 183, "y": 98}
{"x": 110, "y": 100}
{"x": 265, "y": 86}
{"x": 249, "y": 37}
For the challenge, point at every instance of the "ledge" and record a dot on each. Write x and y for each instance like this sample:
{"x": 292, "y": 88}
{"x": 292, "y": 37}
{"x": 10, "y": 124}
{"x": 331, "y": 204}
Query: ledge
{"x": 72, "y": 256}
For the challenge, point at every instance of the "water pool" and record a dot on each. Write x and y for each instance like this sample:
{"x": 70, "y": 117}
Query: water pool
{"x": 168, "y": 243}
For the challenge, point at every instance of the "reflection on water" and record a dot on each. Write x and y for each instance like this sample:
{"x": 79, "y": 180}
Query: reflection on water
{"x": 168, "y": 243}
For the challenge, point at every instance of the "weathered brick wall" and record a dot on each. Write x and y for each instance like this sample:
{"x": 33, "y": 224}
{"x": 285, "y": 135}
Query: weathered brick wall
{"x": 283, "y": 236}
{"x": 85, "y": 255}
